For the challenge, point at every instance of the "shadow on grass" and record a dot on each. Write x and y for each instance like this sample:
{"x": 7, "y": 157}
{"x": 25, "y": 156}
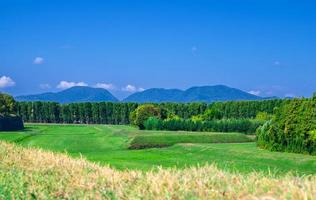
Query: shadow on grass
{"x": 25, "y": 130}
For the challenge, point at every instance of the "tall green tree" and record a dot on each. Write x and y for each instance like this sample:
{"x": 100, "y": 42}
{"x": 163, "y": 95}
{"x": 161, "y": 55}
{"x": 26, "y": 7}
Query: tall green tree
{"x": 7, "y": 104}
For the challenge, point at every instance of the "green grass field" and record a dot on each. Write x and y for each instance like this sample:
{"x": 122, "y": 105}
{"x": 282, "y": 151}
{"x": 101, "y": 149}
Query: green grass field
{"x": 109, "y": 145}
{"x": 30, "y": 173}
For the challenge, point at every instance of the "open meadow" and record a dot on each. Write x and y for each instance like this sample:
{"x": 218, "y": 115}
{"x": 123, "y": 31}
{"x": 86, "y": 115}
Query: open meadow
{"x": 109, "y": 145}
{"x": 28, "y": 173}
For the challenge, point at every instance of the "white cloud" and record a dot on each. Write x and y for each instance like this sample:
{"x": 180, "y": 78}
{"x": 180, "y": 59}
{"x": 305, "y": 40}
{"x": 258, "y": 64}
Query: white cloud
{"x": 38, "y": 61}
{"x": 45, "y": 86}
{"x": 66, "y": 84}
{"x": 273, "y": 90}
{"x": 107, "y": 86}
{"x": 132, "y": 88}
{"x": 255, "y": 92}
{"x": 6, "y": 81}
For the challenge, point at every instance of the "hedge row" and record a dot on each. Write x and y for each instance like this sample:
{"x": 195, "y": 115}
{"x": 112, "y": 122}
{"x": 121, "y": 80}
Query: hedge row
{"x": 247, "y": 126}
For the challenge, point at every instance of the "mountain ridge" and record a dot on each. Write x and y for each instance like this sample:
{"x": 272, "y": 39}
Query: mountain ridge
{"x": 194, "y": 94}
{"x": 72, "y": 95}
{"x": 206, "y": 94}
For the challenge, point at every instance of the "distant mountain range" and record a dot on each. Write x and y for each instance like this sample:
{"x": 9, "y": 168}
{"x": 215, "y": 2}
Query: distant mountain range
{"x": 154, "y": 95}
{"x": 72, "y": 95}
{"x": 194, "y": 94}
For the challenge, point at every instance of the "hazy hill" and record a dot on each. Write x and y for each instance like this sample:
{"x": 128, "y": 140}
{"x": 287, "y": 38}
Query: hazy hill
{"x": 155, "y": 95}
{"x": 194, "y": 94}
{"x": 74, "y": 94}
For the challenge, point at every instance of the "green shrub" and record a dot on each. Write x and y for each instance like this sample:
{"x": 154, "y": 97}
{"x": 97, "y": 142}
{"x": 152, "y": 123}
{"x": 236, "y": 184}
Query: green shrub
{"x": 153, "y": 123}
{"x": 247, "y": 126}
{"x": 142, "y": 113}
{"x": 292, "y": 128}
{"x": 7, "y": 104}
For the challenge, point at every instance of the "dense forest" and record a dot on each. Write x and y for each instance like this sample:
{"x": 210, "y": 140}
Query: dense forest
{"x": 292, "y": 128}
{"x": 119, "y": 113}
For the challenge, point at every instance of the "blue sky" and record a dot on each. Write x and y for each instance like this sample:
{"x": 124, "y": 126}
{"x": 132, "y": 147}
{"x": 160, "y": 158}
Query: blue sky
{"x": 267, "y": 47}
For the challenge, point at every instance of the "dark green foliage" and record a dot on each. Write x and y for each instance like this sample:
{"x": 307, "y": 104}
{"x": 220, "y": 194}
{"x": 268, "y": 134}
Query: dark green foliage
{"x": 184, "y": 110}
{"x": 8, "y": 120}
{"x": 247, "y": 126}
{"x": 212, "y": 114}
{"x": 83, "y": 113}
{"x": 11, "y": 123}
{"x": 142, "y": 113}
{"x": 155, "y": 140}
{"x": 118, "y": 113}
{"x": 153, "y": 123}
{"x": 292, "y": 129}
{"x": 247, "y": 109}
{"x": 7, "y": 104}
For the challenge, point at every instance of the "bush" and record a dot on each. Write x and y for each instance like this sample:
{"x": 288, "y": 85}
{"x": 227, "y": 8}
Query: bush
{"x": 153, "y": 123}
{"x": 10, "y": 123}
{"x": 7, "y": 104}
{"x": 142, "y": 113}
{"x": 292, "y": 129}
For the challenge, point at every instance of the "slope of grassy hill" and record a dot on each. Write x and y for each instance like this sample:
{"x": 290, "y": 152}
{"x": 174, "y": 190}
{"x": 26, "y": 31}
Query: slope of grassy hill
{"x": 36, "y": 174}
{"x": 109, "y": 145}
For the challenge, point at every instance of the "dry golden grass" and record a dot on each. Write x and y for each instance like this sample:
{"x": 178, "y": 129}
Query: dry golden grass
{"x": 33, "y": 173}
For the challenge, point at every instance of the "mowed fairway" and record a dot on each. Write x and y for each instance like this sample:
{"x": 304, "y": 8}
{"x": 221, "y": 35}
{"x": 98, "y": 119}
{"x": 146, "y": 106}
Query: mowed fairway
{"x": 109, "y": 145}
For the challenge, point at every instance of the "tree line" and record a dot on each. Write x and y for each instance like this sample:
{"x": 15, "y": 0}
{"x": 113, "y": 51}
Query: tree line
{"x": 118, "y": 113}
{"x": 247, "y": 126}
{"x": 247, "y": 109}
{"x": 83, "y": 113}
